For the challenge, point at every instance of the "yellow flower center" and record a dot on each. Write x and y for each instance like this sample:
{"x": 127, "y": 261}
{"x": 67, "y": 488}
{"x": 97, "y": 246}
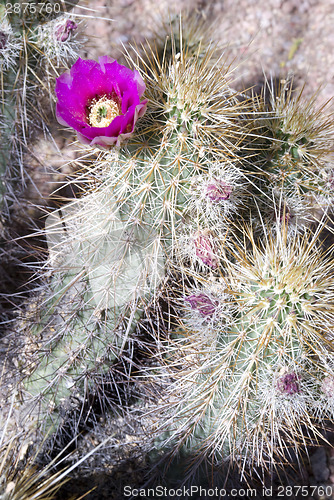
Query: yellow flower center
{"x": 103, "y": 112}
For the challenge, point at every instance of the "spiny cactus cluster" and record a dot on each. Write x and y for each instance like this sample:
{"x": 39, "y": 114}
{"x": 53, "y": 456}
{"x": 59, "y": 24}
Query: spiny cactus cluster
{"x": 209, "y": 203}
{"x": 250, "y": 363}
{"x": 109, "y": 249}
{"x": 34, "y": 47}
{"x": 21, "y": 477}
{"x": 295, "y": 160}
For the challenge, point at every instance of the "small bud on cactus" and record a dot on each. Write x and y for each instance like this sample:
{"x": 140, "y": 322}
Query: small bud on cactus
{"x": 59, "y": 41}
{"x": 3, "y": 40}
{"x": 288, "y": 383}
{"x": 202, "y": 303}
{"x": 204, "y": 249}
{"x": 327, "y": 386}
{"x": 64, "y": 31}
{"x": 218, "y": 191}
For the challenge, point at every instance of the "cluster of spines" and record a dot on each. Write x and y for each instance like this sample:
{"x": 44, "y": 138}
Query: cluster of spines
{"x": 30, "y": 56}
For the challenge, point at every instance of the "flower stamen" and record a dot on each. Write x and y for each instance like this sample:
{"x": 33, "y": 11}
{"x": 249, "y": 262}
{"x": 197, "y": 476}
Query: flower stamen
{"x": 103, "y": 112}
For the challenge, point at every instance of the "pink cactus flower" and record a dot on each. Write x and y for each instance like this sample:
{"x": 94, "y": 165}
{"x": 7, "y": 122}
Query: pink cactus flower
{"x": 100, "y": 100}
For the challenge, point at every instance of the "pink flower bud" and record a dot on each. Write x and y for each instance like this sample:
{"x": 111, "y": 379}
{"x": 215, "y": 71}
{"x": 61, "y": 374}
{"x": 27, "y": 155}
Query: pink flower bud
{"x": 63, "y": 31}
{"x": 327, "y": 386}
{"x": 3, "y": 40}
{"x": 288, "y": 383}
{"x": 205, "y": 251}
{"x": 218, "y": 191}
{"x": 202, "y": 303}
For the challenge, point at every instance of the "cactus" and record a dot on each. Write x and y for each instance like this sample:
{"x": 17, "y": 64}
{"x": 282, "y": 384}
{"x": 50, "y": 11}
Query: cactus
{"x": 250, "y": 364}
{"x": 195, "y": 195}
{"x": 32, "y": 51}
{"x": 30, "y": 54}
{"x": 109, "y": 249}
{"x": 293, "y": 164}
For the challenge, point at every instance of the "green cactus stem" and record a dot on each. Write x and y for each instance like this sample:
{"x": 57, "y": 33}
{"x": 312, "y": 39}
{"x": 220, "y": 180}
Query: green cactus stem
{"x": 248, "y": 362}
